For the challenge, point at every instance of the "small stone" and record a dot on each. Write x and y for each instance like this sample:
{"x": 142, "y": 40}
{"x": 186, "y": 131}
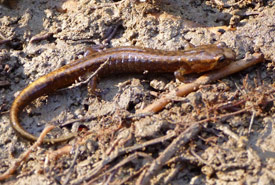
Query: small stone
{"x": 158, "y": 85}
{"x": 207, "y": 170}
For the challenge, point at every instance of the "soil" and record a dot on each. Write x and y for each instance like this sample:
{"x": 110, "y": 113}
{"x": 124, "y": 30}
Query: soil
{"x": 39, "y": 36}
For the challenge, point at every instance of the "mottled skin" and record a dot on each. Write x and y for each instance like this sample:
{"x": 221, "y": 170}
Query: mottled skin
{"x": 121, "y": 60}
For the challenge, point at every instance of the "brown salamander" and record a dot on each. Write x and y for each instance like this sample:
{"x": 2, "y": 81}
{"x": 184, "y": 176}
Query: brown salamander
{"x": 121, "y": 60}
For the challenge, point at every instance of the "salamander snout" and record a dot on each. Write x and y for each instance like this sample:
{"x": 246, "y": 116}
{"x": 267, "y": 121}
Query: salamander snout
{"x": 223, "y": 55}
{"x": 227, "y": 54}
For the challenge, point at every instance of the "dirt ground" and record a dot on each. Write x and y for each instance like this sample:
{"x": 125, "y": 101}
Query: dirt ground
{"x": 234, "y": 140}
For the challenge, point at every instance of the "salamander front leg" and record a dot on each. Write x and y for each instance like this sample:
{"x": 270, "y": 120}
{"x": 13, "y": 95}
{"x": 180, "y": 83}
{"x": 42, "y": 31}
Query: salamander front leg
{"x": 185, "y": 75}
{"x": 91, "y": 87}
{"x": 179, "y": 74}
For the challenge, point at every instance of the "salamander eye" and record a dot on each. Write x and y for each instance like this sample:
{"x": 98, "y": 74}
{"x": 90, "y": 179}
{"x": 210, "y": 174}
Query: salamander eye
{"x": 221, "y": 59}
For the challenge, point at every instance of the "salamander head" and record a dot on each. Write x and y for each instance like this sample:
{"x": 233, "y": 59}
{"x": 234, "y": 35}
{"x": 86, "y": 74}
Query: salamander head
{"x": 207, "y": 57}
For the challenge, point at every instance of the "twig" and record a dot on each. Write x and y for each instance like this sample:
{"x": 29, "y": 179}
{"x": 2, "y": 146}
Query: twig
{"x": 85, "y": 119}
{"x": 5, "y": 41}
{"x": 40, "y": 37}
{"x": 241, "y": 90}
{"x": 223, "y": 116}
{"x": 157, "y": 164}
{"x": 103, "y": 5}
{"x": 172, "y": 174}
{"x": 181, "y": 158}
{"x": 4, "y": 83}
{"x": 99, "y": 165}
{"x": 228, "y": 105}
{"x": 109, "y": 178}
{"x": 111, "y": 34}
{"x": 112, "y": 147}
{"x": 199, "y": 158}
{"x": 123, "y": 181}
{"x": 90, "y": 77}
{"x": 23, "y": 157}
{"x": 228, "y": 132}
{"x": 61, "y": 151}
{"x": 270, "y": 174}
{"x": 120, "y": 164}
{"x": 251, "y": 121}
{"x": 185, "y": 89}
{"x": 72, "y": 166}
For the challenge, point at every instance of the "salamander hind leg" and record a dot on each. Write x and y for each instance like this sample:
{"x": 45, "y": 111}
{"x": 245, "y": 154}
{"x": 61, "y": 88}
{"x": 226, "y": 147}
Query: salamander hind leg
{"x": 180, "y": 74}
{"x": 92, "y": 87}
{"x": 92, "y": 50}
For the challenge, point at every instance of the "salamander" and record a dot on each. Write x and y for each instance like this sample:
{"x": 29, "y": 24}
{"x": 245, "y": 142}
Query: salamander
{"x": 120, "y": 60}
